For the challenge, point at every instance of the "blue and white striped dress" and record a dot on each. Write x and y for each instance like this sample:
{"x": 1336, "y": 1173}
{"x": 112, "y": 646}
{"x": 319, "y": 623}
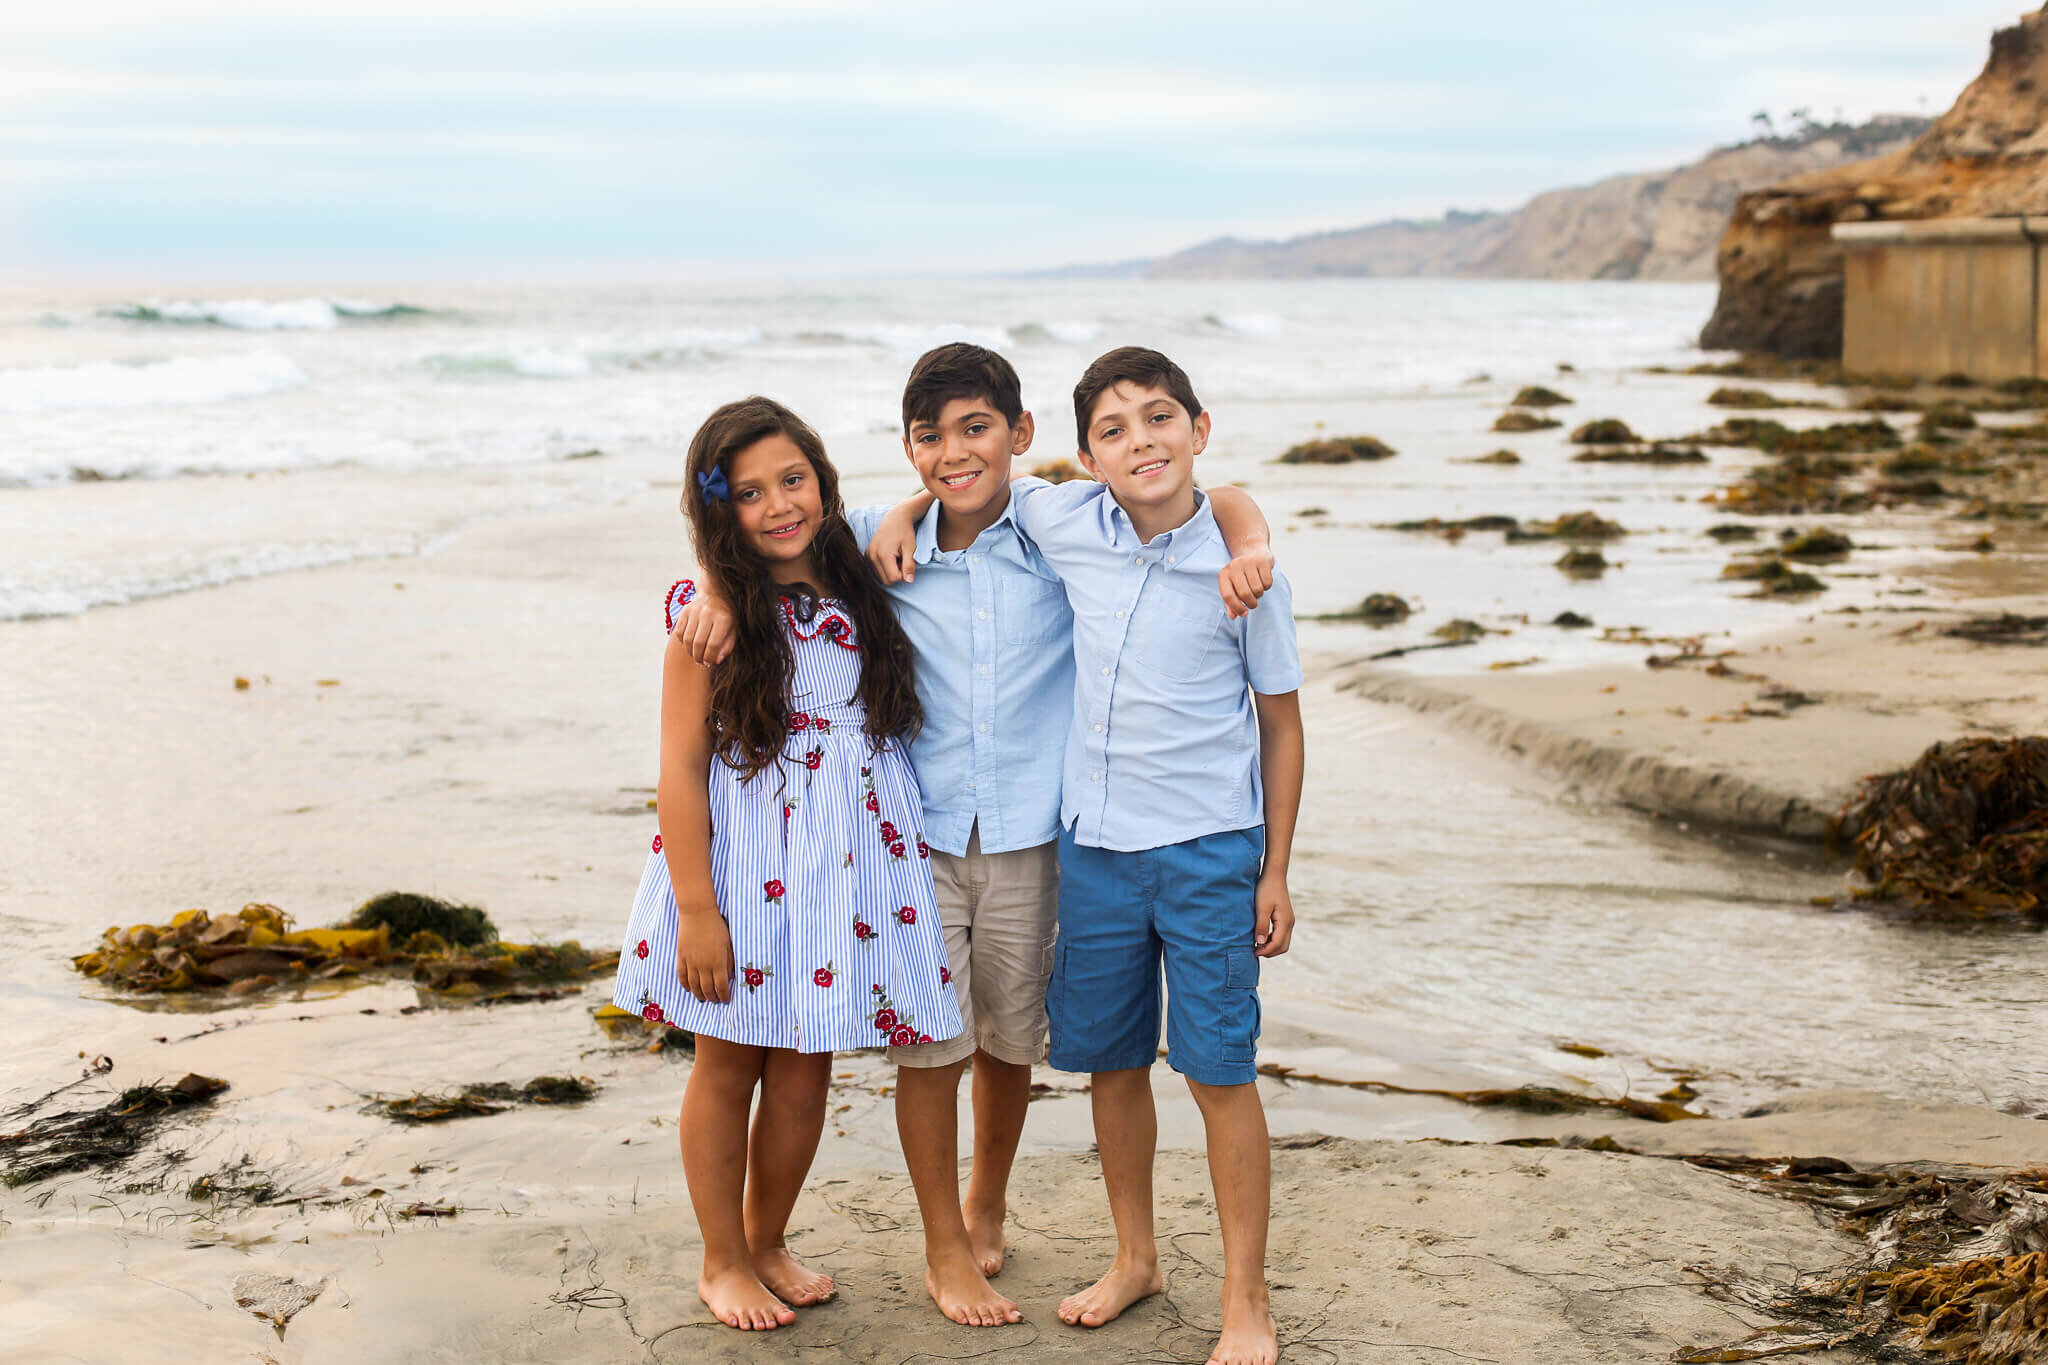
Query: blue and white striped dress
{"x": 820, "y": 868}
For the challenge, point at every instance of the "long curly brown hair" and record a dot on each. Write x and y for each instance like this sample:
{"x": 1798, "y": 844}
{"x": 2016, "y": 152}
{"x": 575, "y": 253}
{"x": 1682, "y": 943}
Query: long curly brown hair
{"x": 750, "y": 690}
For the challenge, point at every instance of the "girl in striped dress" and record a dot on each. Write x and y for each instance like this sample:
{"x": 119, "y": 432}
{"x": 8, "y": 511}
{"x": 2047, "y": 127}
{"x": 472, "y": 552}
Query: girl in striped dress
{"x": 786, "y": 909}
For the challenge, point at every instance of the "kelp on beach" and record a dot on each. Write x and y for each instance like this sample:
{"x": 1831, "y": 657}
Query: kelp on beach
{"x": 1963, "y": 832}
{"x": 449, "y": 950}
{"x": 88, "y": 1139}
{"x": 1956, "y": 1264}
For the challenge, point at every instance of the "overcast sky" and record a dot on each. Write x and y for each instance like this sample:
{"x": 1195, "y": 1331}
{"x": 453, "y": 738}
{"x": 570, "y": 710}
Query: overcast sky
{"x": 772, "y": 135}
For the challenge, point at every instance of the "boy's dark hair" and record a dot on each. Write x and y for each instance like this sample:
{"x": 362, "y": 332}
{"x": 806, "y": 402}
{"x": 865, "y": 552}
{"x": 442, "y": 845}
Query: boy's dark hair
{"x": 960, "y": 369}
{"x": 1130, "y": 365}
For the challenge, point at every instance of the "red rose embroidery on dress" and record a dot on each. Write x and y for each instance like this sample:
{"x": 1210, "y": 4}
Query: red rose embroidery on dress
{"x": 821, "y": 724}
{"x": 651, "y": 1013}
{"x": 641, "y": 951}
{"x": 896, "y": 850}
{"x": 862, "y": 930}
{"x": 814, "y": 758}
{"x": 657, "y": 843}
{"x": 907, "y": 915}
{"x": 773, "y": 892}
{"x": 924, "y": 850}
{"x": 924, "y": 1037}
{"x": 902, "y": 1037}
{"x": 754, "y": 976}
{"x": 885, "y": 1020}
{"x": 798, "y": 720}
{"x": 823, "y": 976}
{"x": 945, "y": 976}
{"x": 873, "y": 803}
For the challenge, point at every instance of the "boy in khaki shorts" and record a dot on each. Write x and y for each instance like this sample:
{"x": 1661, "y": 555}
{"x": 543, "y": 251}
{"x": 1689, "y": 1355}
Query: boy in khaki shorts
{"x": 992, "y": 638}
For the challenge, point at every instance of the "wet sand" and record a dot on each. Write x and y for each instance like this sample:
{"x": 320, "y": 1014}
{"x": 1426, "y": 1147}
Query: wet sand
{"x": 1707, "y": 740}
{"x": 489, "y": 734}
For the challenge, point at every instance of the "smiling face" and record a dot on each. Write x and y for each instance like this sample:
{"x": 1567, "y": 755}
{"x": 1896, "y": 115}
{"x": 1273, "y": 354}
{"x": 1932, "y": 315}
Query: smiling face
{"x": 777, "y": 505}
{"x": 964, "y": 458}
{"x": 1142, "y": 443}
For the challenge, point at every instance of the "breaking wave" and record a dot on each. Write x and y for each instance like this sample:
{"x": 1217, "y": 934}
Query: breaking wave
{"x": 109, "y": 384}
{"x": 264, "y": 315}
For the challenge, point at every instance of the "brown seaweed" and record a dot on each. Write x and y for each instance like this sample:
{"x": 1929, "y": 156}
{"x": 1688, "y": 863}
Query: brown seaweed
{"x": 89, "y": 1139}
{"x": 1962, "y": 833}
{"x": 490, "y": 1097}
{"x": 1337, "y": 450}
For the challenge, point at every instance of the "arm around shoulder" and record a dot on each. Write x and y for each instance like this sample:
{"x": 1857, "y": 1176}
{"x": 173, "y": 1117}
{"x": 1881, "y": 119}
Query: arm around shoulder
{"x": 1247, "y": 539}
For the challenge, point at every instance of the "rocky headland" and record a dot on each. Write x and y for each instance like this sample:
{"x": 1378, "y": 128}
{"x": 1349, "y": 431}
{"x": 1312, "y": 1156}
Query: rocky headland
{"x": 1781, "y": 271}
{"x": 1649, "y": 225}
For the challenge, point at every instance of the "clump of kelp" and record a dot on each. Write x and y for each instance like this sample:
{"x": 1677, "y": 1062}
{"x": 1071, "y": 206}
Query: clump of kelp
{"x": 1962, "y": 833}
{"x": 1337, "y": 450}
{"x": 1956, "y": 1264}
{"x": 488, "y": 1097}
{"x": 448, "y": 949}
{"x": 91, "y": 1139}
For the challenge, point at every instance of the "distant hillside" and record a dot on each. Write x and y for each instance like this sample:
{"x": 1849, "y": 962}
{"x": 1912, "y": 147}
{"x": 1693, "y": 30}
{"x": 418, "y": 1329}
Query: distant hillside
{"x": 1659, "y": 225}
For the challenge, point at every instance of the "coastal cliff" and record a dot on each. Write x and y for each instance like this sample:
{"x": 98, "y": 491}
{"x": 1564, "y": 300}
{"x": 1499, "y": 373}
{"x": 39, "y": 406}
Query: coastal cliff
{"x": 1780, "y": 270}
{"x": 1653, "y": 225}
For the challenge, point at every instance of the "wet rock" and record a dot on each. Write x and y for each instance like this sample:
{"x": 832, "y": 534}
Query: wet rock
{"x": 1584, "y": 526}
{"x": 1439, "y": 525}
{"x": 1818, "y": 546}
{"x": 1606, "y": 431}
{"x": 1571, "y": 620}
{"x": 1743, "y": 398}
{"x": 1774, "y": 577}
{"x": 1497, "y": 457}
{"x": 1581, "y": 563}
{"x": 1461, "y": 631}
{"x": 1948, "y": 416}
{"x": 1651, "y": 454}
{"x": 1337, "y": 450}
{"x": 1730, "y": 531}
{"x": 1536, "y": 396}
{"x": 1518, "y": 420}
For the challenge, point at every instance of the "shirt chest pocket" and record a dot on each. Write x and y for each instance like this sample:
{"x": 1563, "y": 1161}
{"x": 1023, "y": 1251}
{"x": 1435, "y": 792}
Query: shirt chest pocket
{"x": 1031, "y": 611}
{"x": 1175, "y": 631}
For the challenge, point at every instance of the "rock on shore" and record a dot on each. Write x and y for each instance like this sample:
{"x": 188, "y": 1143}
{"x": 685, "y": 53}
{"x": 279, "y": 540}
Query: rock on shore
{"x": 1781, "y": 272}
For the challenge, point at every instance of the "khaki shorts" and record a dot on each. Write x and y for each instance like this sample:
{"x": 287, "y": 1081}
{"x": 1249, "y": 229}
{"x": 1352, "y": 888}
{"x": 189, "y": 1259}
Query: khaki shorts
{"x": 1001, "y": 912}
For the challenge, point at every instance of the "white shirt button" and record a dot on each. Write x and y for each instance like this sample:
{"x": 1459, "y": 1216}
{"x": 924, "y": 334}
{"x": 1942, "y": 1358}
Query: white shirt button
{"x": 1120, "y": 616}
{"x": 984, "y": 670}
{"x": 984, "y": 727}
{"x": 1105, "y": 670}
{"x": 981, "y": 616}
{"x": 1137, "y": 559}
{"x": 1169, "y": 559}
{"x": 1098, "y": 727}
{"x": 1097, "y": 776}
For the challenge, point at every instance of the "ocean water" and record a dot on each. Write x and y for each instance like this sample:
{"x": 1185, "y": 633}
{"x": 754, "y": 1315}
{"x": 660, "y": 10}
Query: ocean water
{"x": 304, "y": 428}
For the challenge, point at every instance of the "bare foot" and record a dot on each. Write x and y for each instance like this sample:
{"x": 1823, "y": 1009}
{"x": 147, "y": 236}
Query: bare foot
{"x": 1248, "y": 1336}
{"x": 958, "y": 1287}
{"x": 1101, "y": 1302}
{"x": 985, "y": 1234}
{"x": 739, "y": 1299}
{"x": 790, "y": 1279}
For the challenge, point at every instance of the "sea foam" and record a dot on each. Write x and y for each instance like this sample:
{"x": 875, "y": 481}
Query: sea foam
{"x": 184, "y": 380}
{"x": 262, "y": 315}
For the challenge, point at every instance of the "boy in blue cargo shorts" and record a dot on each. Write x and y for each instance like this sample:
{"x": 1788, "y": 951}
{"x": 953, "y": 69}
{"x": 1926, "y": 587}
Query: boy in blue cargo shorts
{"x": 1181, "y": 785}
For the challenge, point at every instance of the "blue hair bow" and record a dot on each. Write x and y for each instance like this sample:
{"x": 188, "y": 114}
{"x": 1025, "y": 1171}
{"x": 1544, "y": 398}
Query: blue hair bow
{"x": 713, "y": 485}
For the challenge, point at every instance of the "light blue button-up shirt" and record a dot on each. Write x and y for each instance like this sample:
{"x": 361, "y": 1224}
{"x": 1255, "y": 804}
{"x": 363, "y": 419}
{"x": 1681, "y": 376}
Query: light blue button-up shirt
{"x": 995, "y": 672}
{"x": 1164, "y": 744}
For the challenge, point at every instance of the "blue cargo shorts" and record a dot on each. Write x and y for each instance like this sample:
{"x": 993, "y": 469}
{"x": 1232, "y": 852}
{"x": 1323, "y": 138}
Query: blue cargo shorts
{"x": 1189, "y": 905}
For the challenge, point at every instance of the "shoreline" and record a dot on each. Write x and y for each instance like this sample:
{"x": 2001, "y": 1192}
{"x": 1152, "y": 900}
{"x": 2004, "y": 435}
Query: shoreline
{"x": 1709, "y": 738}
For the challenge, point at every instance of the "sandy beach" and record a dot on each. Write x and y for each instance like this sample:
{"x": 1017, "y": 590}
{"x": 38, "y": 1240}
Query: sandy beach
{"x": 1487, "y": 905}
